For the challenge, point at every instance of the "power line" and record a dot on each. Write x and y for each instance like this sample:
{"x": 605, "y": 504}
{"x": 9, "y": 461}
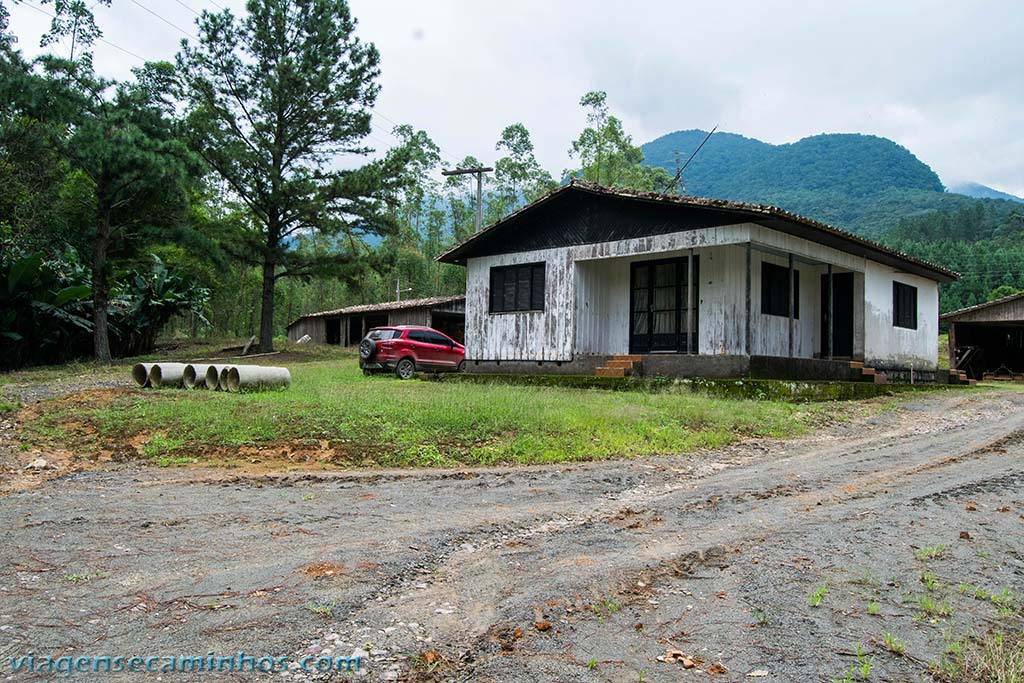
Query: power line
{"x": 190, "y": 35}
{"x": 187, "y": 7}
{"x": 679, "y": 171}
{"x": 166, "y": 21}
{"x": 194, "y": 37}
{"x": 100, "y": 40}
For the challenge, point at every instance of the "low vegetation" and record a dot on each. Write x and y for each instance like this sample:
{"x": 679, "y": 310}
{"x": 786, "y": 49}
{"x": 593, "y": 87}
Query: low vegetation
{"x": 995, "y": 657}
{"x": 333, "y": 415}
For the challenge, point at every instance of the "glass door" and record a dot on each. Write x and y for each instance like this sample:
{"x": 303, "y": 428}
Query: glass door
{"x": 658, "y": 306}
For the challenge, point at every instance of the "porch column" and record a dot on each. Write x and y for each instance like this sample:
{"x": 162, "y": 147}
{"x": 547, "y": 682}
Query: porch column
{"x": 689, "y": 303}
{"x": 792, "y": 303}
{"x": 830, "y": 316}
{"x": 748, "y": 342}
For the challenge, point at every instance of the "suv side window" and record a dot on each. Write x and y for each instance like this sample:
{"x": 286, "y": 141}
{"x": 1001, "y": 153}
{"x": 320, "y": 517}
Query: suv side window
{"x": 435, "y": 338}
{"x": 417, "y": 336}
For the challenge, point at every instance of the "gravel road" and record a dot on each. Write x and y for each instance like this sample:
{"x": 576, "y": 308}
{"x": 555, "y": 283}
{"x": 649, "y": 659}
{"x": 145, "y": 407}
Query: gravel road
{"x": 574, "y": 573}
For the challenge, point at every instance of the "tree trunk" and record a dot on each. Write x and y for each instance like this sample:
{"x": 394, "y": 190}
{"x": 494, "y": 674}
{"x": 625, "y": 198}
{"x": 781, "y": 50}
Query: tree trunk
{"x": 267, "y": 307}
{"x": 101, "y": 288}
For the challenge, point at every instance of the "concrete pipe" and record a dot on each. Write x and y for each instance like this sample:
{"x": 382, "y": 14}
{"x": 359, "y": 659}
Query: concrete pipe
{"x": 140, "y": 373}
{"x": 166, "y": 374}
{"x": 246, "y": 377}
{"x": 222, "y": 377}
{"x": 197, "y": 375}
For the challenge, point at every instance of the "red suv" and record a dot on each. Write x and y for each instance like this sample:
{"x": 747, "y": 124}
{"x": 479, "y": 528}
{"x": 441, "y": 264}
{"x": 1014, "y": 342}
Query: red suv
{"x": 405, "y": 349}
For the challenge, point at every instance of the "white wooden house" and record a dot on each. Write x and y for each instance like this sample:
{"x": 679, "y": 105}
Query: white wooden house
{"x": 690, "y": 287}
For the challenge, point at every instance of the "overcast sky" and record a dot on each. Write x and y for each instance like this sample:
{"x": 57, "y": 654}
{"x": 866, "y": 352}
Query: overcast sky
{"x": 947, "y": 83}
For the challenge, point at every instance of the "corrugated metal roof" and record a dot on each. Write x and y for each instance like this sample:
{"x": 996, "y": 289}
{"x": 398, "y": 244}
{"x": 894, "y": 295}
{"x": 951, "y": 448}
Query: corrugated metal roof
{"x": 977, "y": 307}
{"x": 753, "y": 212}
{"x": 381, "y": 307}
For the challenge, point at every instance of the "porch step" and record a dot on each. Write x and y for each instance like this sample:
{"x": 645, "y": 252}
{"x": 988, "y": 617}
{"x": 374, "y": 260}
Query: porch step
{"x": 880, "y": 378}
{"x": 867, "y": 372}
{"x": 856, "y": 364}
{"x": 620, "y": 366}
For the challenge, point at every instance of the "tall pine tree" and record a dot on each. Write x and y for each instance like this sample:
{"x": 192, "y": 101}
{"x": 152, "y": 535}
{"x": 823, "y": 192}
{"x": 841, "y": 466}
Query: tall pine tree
{"x": 274, "y": 98}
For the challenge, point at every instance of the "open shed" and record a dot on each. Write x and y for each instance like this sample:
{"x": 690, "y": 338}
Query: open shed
{"x": 987, "y": 341}
{"x": 347, "y": 326}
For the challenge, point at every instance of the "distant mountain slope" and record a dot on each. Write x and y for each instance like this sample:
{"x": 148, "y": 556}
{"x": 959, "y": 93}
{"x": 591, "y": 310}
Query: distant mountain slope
{"x": 983, "y": 192}
{"x": 863, "y": 183}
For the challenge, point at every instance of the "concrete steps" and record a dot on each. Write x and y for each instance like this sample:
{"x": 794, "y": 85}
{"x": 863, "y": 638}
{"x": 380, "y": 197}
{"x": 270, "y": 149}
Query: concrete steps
{"x": 620, "y": 366}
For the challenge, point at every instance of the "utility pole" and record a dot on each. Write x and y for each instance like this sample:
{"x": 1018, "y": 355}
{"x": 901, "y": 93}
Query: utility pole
{"x": 398, "y": 288}
{"x": 479, "y": 173}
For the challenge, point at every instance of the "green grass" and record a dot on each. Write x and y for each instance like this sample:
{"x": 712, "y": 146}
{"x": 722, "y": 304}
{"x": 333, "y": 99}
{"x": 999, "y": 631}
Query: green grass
{"x": 815, "y": 598}
{"x": 995, "y": 657}
{"x": 382, "y": 421}
{"x": 893, "y": 644}
{"x": 930, "y": 552}
{"x": 933, "y": 607}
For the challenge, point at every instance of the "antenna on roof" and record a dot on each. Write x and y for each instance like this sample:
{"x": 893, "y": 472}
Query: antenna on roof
{"x": 677, "y": 180}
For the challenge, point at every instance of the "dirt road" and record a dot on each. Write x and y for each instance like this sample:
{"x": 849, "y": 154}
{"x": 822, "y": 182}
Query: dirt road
{"x": 769, "y": 561}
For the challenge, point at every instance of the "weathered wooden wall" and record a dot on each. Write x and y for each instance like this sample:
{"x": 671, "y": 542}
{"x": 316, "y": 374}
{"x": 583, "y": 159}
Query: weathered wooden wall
{"x": 889, "y": 346}
{"x": 587, "y": 299}
{"x": 1007, "y": 312}
{"x": 523, "y": 335}
{"x": 410, "y": 316}
{"x": 314, "y": 327}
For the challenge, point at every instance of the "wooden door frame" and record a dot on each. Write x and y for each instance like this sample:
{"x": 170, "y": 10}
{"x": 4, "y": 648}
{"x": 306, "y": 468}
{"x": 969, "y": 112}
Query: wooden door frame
{"x": 685, "y": 280}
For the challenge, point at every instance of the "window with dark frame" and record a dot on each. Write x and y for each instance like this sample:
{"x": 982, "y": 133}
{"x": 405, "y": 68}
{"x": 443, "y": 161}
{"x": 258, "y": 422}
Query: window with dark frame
{"x": 904, "y": 306}
{"x": 775, "y": 290}
{"x": 517, "y": 288}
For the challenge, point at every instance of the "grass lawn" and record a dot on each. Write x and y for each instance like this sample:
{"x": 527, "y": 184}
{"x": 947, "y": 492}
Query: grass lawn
{"x": 332, "y": 415}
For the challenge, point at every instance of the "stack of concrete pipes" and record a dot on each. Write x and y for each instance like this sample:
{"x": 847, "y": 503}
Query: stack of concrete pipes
{"x": 210, "y": 376}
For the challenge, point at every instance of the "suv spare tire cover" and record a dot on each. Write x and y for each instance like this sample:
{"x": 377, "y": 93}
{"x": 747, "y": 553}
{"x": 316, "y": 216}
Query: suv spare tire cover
{"x": 367, "y": 349}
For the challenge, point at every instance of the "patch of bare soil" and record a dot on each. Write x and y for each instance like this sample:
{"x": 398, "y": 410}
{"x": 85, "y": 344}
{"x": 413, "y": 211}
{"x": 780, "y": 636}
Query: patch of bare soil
{"x": 881, "y": 542}
{"x": 24, "y": 466}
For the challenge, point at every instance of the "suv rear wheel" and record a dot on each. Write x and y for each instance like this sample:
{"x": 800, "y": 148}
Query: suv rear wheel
{"x": 405, "y": 368}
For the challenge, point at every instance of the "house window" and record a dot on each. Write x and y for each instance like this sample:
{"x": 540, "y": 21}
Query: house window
{"x": 904, "y": 306}
{"x": 775, "y": 290}
{"x": 517, "y": 288}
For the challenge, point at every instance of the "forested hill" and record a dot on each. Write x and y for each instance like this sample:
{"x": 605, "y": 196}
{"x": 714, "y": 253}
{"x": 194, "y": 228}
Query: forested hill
{"x": 863, "y": 183}
{"x": 983, "y": 192}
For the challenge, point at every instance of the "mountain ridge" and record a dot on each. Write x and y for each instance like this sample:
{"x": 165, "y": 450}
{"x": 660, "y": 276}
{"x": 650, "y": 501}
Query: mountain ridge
{"x": 863, "y": 183}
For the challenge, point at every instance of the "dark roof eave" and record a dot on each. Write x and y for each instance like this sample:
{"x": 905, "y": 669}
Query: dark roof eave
{"x": 950, "y": 317}
{"x": 751, "y": 212}
{"x": 385, "y": 306}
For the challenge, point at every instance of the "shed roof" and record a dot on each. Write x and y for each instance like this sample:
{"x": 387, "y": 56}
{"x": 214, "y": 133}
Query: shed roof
{"x": 705, "y": 212}
{"x": 953, "y": 316}
{"x": 385, "y": 306}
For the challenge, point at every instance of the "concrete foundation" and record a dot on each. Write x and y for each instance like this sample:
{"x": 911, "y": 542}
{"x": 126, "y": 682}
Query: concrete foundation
{"x": 682, "y": 366}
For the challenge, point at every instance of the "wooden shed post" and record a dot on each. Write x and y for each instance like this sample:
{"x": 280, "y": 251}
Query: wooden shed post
{"x": 748, "y": 344}
{"x": 792, "y": 304}
{"x": 952, "y": 346}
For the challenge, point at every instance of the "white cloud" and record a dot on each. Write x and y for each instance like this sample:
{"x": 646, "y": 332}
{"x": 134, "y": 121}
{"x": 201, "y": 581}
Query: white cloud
{"x": 944, "y": 81}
